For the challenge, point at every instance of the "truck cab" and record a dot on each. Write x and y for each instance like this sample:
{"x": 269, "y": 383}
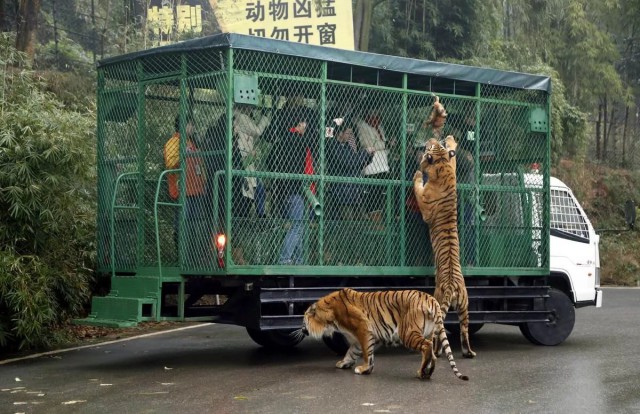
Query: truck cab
{"x": 574, "y": 247}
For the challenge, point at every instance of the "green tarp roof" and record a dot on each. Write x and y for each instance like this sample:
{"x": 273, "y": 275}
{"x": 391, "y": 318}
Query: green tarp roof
{"x": 371, "y": 60}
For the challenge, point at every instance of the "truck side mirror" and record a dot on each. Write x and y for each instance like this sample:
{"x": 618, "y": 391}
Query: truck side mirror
{"x": 630, "y": 213}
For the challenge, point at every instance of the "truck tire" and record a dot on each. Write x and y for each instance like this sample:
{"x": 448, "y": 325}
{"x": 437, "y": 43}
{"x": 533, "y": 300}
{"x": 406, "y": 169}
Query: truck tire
{"x": 276, "y": 339}
{"x": 560, "y": 325}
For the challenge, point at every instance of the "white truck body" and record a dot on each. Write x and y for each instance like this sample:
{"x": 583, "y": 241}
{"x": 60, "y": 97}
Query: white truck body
{"x": 574, "y": 245}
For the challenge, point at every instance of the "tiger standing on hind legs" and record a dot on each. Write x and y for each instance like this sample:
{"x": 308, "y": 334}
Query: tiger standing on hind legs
{"x": 407, "y": 317}
{"x": 437, "y": 200}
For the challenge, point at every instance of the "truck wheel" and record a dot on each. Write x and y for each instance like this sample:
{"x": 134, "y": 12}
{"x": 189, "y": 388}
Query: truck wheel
{"x": 562, "y": 318}
{"x": 454, "y": 329}
{"x": 275, "y": 339}
{"x": 337, "y": 343}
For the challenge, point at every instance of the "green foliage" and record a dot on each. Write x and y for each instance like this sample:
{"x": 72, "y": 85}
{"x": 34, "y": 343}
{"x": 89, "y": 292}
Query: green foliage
{"x": 619, "y": 259}
{"x": 586, "y": 54}
{"x": 602, "y": 192}
{"x": 76, "y": 91}
{"x": 618, "y": 188}
{"x": 47, "y": 181}
{"x": 426, "y": 29}
{"x": 66, "y": 55}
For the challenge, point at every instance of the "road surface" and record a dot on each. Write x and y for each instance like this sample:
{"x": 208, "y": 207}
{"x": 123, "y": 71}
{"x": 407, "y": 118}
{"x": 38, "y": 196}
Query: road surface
{"x": 218, "y": 369}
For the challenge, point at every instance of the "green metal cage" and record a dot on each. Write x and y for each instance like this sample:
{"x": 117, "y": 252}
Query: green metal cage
{"x": 298, "y": 160}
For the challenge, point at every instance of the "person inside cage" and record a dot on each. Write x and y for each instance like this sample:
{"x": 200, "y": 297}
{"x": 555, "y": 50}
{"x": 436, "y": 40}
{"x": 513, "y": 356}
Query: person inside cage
{"x": 246, "y": 132}
{"x": 371, "y": 134}
{"x": 292, "y": 153}
{"x": 344, "y": 159}
{"x": 462, "y": 128}
{"x": 194, "y": 176}
{"x": 215, "y": 143}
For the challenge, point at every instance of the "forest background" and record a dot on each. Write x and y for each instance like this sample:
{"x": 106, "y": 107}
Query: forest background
{"x": 48, "y": 51}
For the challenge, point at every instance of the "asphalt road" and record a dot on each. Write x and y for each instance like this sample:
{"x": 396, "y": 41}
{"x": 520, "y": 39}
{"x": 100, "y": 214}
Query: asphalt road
{"x": 218, "y": 369}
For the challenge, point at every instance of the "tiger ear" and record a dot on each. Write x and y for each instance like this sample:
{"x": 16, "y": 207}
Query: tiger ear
{"x": 450, "y": 143}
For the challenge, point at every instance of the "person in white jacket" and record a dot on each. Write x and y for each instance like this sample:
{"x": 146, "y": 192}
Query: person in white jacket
{"x": 247, "y": 131}
{"x": 371, "y": 135}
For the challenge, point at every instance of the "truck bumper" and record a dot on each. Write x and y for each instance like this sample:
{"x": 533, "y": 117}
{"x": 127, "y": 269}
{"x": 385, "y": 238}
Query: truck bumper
{"x": 596, "y": 301}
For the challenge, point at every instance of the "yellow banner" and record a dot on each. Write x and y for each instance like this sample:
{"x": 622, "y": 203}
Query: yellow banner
{"x": 317, "y": 22}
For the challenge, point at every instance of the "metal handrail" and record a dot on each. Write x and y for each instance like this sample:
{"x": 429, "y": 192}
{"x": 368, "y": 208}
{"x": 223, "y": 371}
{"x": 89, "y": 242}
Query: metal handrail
{"x": 156, "y": 203}
{"x": 112, "y": 217}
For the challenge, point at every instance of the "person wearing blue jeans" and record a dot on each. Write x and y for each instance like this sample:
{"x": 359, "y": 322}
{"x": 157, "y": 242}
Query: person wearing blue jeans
{"x": 261, "y": 197}
{"x": 291, "y": 153}
{"x": 291, "y": 252}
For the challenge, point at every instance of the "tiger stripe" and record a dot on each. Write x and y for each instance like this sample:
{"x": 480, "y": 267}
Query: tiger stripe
{"x": 408, "y": 317}
{"x": 438, "y": 201}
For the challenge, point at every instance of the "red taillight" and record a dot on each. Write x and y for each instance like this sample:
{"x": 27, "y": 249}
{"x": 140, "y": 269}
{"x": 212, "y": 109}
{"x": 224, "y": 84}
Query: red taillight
{"x": 221, "y": 242}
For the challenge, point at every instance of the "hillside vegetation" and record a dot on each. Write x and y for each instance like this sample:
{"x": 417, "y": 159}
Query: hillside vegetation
{"x": 602, "y": 192}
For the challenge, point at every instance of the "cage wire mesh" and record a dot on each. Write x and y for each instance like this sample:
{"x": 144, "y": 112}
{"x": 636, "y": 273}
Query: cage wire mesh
{"x": 300, "y": 162}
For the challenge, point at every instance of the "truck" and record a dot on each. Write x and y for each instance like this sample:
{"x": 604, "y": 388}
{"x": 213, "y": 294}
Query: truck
{"x": 264, "y": 234}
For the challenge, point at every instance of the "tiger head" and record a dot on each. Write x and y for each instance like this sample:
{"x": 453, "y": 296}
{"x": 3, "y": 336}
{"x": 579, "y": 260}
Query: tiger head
{"x": 320, "y": 317}
{"x": 437, "y": 158}
{"x": 327, "y": 314}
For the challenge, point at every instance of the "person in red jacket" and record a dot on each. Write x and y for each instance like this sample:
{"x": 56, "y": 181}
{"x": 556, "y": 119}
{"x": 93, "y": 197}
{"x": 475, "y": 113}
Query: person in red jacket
{"x": 194, "y": 176}
{"x": 194, "y": 173}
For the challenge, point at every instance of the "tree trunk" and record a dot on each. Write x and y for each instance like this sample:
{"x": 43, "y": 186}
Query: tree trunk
{"x": 145, "y": 33}
{"x": 633, "y": 156}
{"x": 611, "y": 135}
{"x": 362, "y": 24}
{"x": 94, "y": 31}
{"x": 424, "y": 17}
{"x": 605, "y": 137}
{"x": 508, "y": 16}
{"x": 598, "y": 132}
{"x": 104, "y": 29}
{"x": 27, "y": 25}
{"x": 624, "y": 135}
{"x": 55, "y": 33}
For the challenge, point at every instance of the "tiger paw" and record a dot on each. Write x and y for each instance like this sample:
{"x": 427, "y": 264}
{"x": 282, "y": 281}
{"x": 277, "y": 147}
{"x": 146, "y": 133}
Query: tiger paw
{"x": 364, "y": 369}
{"x": 468, "y": 354}
{"x": 417, "y": 177}
{"x": 344, "y": 364}
{"x": 425, "y": 374}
